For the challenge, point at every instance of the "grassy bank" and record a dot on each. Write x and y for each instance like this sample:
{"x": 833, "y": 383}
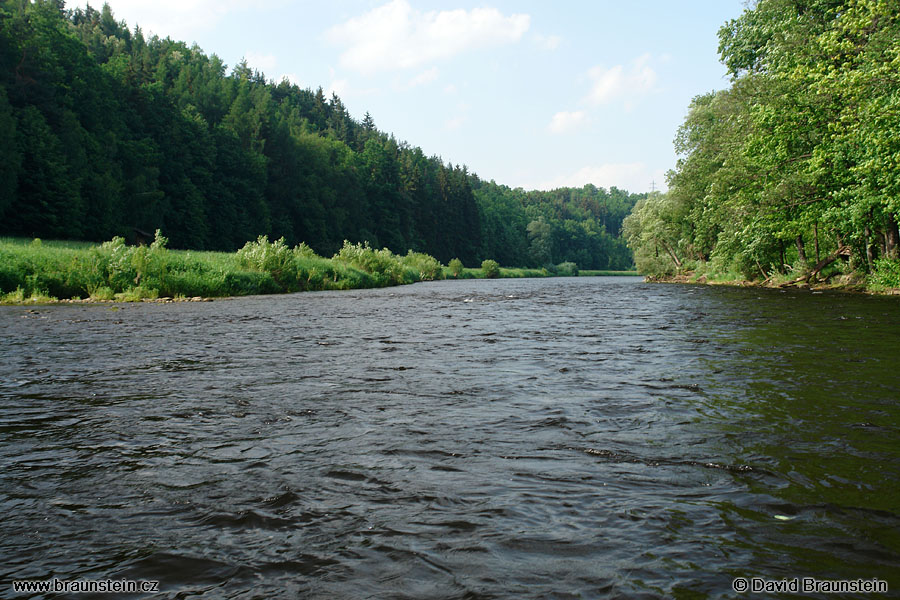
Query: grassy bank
{"x": 34, "y": 271}
{"x": 591, "y": 273}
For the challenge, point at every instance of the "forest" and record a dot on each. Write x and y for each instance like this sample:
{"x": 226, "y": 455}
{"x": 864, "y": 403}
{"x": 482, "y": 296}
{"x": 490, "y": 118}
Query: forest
{"x": 792, "y": 174}
{"x": 110, "y": 133}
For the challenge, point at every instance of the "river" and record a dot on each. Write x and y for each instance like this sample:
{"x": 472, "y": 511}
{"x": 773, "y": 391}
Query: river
{"x": 537, "y": 438}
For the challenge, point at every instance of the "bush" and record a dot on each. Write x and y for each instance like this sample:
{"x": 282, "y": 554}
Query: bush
{"x": 490, "y": 269}
{"x": 886, "y": 274}
{"x": 382, "y": 264}
{"x": 567, "y": 269}
{"x": 456, "y": 267}
{"x": 274, "y": 258}
{"x": 427, "y": 266}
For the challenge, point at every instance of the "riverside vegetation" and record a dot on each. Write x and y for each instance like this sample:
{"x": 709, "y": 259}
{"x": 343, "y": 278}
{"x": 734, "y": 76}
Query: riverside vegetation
{"x": 35, "y": 271}
{"x": 790, "y": 176}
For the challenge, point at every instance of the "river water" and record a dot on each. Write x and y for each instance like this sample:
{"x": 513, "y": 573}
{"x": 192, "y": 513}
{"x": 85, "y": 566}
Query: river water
{"x": 560, "y": 438}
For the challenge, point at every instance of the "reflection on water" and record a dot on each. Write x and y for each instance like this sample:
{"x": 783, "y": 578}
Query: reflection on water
{"x": 477, "y": 439}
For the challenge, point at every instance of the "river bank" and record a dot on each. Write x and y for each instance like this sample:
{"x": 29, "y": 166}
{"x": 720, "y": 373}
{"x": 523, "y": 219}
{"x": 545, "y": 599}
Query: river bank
{"x": 854, "y": 283}
{"x": 46, "y": 272}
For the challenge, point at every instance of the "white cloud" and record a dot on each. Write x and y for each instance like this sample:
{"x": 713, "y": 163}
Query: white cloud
{"x": 609, "y": 84}
{"x": 635, "y": 177}
{"x": 341, "y": 87}
{"x": 261, "y": 62}
{"x": 564, "y": 122}
{"x": 423, "y": 78}
{"x": 396, "y": 36}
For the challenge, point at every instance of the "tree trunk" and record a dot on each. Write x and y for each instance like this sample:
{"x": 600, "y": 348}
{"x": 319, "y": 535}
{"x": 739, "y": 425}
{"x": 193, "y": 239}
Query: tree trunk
{"x": 816, "y": 230}
{"x": 892, "y": 235}
{"x": 840, "y": 252}
{"x": 782, "y": 265}
{"x": 870, "y": 254}
{"x": 672, "y": 254}
{"x": 801, "y": 248}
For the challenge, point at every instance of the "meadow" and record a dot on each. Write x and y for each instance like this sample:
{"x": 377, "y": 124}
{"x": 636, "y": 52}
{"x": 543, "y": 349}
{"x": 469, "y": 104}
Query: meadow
{"x": 37, "y": 271}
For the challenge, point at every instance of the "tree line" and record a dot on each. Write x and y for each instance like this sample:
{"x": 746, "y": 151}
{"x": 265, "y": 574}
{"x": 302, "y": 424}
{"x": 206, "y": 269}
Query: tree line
{"x": 110, "y": 133}
{"x": 791, "y": 172}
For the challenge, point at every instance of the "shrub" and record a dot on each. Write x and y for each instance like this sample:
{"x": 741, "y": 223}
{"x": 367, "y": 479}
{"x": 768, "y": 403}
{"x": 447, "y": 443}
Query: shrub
{"x": 886, "y": 274}
{"x": 382, "y": 264}
{"x": 103, "y": 293}
{"x": 456, "y": 267}
{"x": 274, "y": 258}
{"x": 137, "y": 293}
{"x": 427, "y": 267}
{"x": 490, "y": 268}
{"x": 567, "y": 269}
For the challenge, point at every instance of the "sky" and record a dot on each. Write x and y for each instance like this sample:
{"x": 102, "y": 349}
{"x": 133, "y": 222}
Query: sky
{"x": 530, "y": 94}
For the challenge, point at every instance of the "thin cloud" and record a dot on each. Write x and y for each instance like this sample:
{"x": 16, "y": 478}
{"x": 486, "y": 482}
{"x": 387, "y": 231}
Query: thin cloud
{"x": 547, "y": 42}
{"x": 424, "y": 78}
{"x": 455, "y": 123}
{"x": 396, "y": 36}
{"x": 608, "y": 84}
{"x": 458, "y": 120}
{"x": 261, "y": 62}
{"x": 565, "y": 122}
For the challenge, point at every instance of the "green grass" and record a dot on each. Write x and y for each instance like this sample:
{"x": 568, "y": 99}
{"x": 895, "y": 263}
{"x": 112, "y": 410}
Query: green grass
{"x": 70, "y": 244}
{"x": 37, "y": 271}
{"x": 515, "y": 273}
{"x": 34, "y": 271}
{"x": 585, "y": 273}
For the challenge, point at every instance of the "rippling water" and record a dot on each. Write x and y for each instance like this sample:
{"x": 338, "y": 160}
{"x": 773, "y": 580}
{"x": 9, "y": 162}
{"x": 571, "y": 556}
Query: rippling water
{"x": 563, "y": 438}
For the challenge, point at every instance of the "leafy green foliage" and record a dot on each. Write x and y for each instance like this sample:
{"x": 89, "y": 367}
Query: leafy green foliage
{"x": 564, "y": 225}
{"x": 886, "y": 274}
{"x": 567, "y": 269}
{"x": 274, "y": 258}
{"x": 382, "y": 264}
{"x": 490, "y": 268}
{"x": 796, "y": 163}
{"x": 455, "y": 267}
{"x": 428, "y": 267}
{"x": 116, "y": 271}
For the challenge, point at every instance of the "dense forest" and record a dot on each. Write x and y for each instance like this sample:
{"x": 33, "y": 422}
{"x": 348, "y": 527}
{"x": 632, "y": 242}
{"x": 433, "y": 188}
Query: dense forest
{"x": 793, "y": 172}
{"x": 106, "y": 132}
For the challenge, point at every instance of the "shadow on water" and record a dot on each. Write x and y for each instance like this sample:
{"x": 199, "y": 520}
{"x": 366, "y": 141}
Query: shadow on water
{"x": 565, "y": 438}
{"x": 805, "y": 390}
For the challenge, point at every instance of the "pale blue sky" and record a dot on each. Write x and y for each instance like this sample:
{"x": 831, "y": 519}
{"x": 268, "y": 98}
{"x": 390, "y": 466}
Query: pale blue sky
{"x": 530, "y": 94}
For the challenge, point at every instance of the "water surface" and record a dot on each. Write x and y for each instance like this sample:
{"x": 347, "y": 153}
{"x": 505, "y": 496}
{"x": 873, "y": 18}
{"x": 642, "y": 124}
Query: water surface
{"x": 562, "y": 438}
